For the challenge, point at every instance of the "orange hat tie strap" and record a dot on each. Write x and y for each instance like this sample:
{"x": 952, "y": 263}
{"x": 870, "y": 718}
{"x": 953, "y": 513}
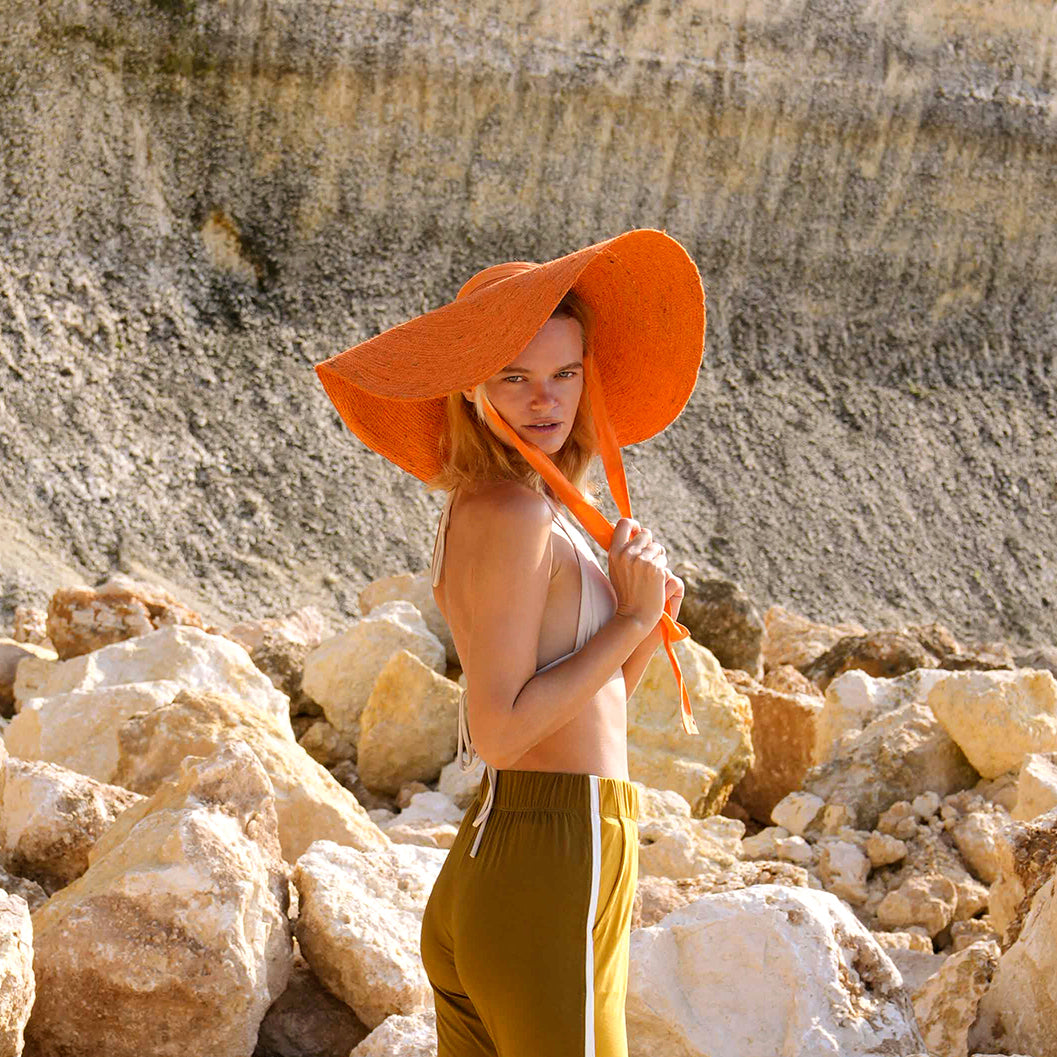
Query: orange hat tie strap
{"x": 593, "y": 521}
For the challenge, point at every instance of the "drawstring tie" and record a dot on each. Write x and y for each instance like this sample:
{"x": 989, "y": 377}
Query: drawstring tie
{"x": 467, "y": 757}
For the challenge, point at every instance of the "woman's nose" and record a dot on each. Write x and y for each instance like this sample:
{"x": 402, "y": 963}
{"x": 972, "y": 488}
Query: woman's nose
{"x": 543, "y": 395}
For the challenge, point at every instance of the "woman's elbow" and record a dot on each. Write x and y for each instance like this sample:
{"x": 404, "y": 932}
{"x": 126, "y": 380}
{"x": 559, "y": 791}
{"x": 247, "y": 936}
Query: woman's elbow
{"x": 492, "y": 741}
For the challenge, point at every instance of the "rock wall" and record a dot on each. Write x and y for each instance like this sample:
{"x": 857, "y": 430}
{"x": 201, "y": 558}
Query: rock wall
{"x": 200, "y": 200}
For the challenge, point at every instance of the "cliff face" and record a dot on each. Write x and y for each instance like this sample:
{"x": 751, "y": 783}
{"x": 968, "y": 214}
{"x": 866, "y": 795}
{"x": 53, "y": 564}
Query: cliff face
{"x": 201, "y": 199}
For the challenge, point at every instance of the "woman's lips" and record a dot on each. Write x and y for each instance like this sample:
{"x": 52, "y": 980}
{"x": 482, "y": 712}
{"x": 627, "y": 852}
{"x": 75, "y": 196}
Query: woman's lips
{"x": 551, "y": 428}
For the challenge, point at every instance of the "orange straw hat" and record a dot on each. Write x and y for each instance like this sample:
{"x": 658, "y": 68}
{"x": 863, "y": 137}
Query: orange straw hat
{"x": 647, "y": 306}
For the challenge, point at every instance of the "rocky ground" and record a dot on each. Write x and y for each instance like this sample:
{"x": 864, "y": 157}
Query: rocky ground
{"x": 231, "y": 833}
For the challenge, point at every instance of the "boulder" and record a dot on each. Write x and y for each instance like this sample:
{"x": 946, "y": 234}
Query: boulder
{"x": 83, "y": 619}
{"x": 176, "y": 940}
{"x": 820, "y": 984}
{"x": 898, "y": 756}
{"x": 12, "y": 654}
{"x": 17, "y": 984}
{"x": 703, "y": 768}
{"x": 792, "y": 639}
{"x": 1027, "y": 859}
{"x": 844, "y": 869}
{"x": 797, "y": 811}
{"x": 977, "y": 836}
{"x": 304, "y": 627}
{"x": 855, "y": 699}
{"x": 431, "y": 819}
{"x": 1043, "y": 658}
{"x": 1019, "y": 1010}
{"x": 1036, "y": 786}
{"x": 50, "y": 817}
{"x": 309, "y": 803}
{"x": 882, "y": 654}
{"x": 31, "y": 625}
{"x": 461, "y": 785}
{"x": 30, "y": 891}
{"x": 306, "y": 1020}
{"x": 946, "y": 1004}
{"x": 413, "y": 1035}
{"x": 722, "y": 618}
{"x": 998, "y": 718}
{"x": 409, "y": 726}
{"x": 340, "y": 673}
{"x": 416, "y": 588}
{"x": 928, "y": 900}
{"x": 783, "y": 746}
{"x": 325, "y": 744}
{"x": 679, "y": 847}
{"x": 785, "y": 679}
{"x": 359, "y": 923}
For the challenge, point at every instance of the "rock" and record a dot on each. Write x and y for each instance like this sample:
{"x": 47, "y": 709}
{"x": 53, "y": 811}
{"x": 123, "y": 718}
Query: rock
{"x": 884, "y": 850}
{"x": 345, "y": 774}
{"x": 50, "y": 818}
{"x": 1044, "y": 658}
{"x": 413, "y": 1035}
{"x": 844, "y": 869}
{"x": 945, "y": 1005}
{"x": 17, "y": 984}
{"x": 409, "y": 726}
{"x": 917, "y": 966}
{"x": 462, "y": 785}
{"x": 704, "y": 768}
{"x": 976, "y": 836}
{"x": 176, "y": 940}
{"x": 898, "y": 756}
{"x": 31, "y": 625}
{"x": 721, "y": 617}
{"x": 984, "y": 657}
{"x": 785, "y": 679}
{"x": 855, "y": 699}
{"x": 306, "y": 1020}
{"x": 900, "y": 820}
{"x": 1027, "y": 858}
{"x": 783, "y": 746}
{"x": 305, "y": 627}
{"x": 416, "y": 588}
{"x": 926, "y": 805}
{"x": 972, "y": 930}
{"x": 820, "y": 984}
{"x": 797, "y": 811}
{"x": 83, "y": 619}
{"x": 882, "y": 654}
{"x": 407, "y": 791}
{"x": 1019, "y": 1010}
{"x": 685, "y": 847}
{"x": 935, "y": 638}
{"x": 359, "y": 924}
{"x": 998, "y": 718}
{"x": 1036, "y": 786}
{"x": 430, "y": 819}
{"x": 341, "y": 672}
{"x": 794, "y": 640}
{"x": 283, "y": 661}
{"x": 764, "y": 845}
{"x": 929, "y": 901}
{"x": 12, "y": 654}
{"x": 915, "y": 939}
{"x": 30, "y": 891}
{"x": 326, "y": 745}
{"x": 309, "y": 804}
{"x": 1000, "y": 791}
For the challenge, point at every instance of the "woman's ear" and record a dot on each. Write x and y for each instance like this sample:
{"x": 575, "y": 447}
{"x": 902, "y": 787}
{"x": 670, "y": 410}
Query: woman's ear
{"x": 467, "y": 395}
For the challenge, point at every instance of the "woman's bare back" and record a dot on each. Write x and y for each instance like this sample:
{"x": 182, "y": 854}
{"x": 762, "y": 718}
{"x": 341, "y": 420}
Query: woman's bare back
{"x": 594, "y": 741}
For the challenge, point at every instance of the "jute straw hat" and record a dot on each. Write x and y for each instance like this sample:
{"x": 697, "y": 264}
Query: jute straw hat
{"x": 647, "y": 307}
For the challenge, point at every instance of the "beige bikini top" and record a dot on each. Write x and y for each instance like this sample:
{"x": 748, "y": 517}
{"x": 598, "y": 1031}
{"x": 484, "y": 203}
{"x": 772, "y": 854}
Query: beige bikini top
{"x": 596, "y": 607}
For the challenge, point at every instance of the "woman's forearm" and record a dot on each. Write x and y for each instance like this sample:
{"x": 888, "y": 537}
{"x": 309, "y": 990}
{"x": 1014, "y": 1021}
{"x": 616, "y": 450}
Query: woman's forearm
{"x": 635, "y": 665}
{"x": 552, "y": 698}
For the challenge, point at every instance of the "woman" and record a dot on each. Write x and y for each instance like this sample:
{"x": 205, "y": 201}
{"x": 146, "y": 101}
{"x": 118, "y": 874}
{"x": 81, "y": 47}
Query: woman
{"x": 507, "y": 394}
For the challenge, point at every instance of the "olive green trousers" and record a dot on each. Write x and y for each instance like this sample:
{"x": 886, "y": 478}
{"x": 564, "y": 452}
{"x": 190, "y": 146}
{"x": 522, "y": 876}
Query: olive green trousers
{"x": 526, "y": 943}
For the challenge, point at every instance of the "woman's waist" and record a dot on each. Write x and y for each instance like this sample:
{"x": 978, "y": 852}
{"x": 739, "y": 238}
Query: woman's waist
{"x": 577, "y": 792}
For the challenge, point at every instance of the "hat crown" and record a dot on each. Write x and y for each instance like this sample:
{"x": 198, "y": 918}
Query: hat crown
{"x": 495, "y": 274}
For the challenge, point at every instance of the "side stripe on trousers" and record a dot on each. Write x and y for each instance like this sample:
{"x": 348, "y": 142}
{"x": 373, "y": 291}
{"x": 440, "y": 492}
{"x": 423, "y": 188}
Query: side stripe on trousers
{"x": 592, "y": 909}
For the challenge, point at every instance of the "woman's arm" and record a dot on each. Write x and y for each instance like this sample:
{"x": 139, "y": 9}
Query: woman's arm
{"x": 510, "y": 707}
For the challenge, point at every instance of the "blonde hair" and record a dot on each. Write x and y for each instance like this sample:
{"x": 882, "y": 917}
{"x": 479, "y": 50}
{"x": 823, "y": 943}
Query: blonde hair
{"x": 472, "y": 454}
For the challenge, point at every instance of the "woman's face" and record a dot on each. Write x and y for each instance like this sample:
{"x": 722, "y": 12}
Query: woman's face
{"x": 539, "y": 391}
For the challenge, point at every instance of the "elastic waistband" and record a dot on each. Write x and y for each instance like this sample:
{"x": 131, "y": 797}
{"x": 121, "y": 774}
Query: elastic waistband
{"x": 562, "y": 791}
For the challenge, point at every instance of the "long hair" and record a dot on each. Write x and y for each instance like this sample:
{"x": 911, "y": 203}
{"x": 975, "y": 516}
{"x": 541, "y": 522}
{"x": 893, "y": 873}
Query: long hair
{"x": 472, "y": 454}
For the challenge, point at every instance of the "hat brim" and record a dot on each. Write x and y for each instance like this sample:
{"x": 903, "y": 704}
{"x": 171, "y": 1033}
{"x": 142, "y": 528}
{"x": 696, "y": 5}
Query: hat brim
{"x": 648, "y": 306}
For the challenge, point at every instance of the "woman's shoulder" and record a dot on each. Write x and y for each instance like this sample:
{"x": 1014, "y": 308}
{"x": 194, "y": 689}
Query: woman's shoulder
{"x": 504, "y": 505}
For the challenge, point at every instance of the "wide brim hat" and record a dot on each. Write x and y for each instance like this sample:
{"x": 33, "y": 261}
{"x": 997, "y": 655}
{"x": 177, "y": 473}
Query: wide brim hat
{"x": 645, "y": 296}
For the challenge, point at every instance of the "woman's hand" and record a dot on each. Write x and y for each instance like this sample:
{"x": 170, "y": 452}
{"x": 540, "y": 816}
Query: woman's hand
{"x": 674, "y": 589}
{"x": 639, "y": 573}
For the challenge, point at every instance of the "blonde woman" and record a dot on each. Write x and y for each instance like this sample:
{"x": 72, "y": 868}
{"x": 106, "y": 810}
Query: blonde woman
{"x": 502, "y": 398}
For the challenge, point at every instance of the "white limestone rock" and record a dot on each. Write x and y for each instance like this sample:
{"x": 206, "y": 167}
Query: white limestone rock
{"x": 340, "y": 673}
{"x": 50, "y": 817}
{"x": 946, "y": 1004}
{"x": 997, "y": 718}
{"x": 792, "y": 639}
{"x": 462, "y": 785}
{"x": 844, "y": 869}
{"x": 359, "y": 924}
{"x": 17, "y": 984}
{"x": 820, "y": 985}
{"x": 682, "y": 847}
{"x": 1036, "y": 786}
{"x": 309, "y": 802}
{"x": 431, "y": 819}
{"x": 1019, "y": 1010}
{"x": 797, "y": 811}
{"x": 928, "y": 900}
{"x": 187, "y": 656}
{"x": 413, "y": 1035}
{"x": 416, "y": 588}
{"x": 409, "y": 726}
{"x": 705, "y": 767}
{"x": 978, "y": 837}
{"x": 176, "y": 940}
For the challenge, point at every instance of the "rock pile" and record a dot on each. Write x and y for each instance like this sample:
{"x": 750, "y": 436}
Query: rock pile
{"x": 224, "y": 842}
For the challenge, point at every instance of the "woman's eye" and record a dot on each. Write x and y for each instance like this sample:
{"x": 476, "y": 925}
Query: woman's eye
{"x": 513, "y": 378}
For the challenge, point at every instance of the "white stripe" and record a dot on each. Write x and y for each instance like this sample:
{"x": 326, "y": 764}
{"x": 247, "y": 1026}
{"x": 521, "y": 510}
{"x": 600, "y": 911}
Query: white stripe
{"x": 596, "y": 868}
